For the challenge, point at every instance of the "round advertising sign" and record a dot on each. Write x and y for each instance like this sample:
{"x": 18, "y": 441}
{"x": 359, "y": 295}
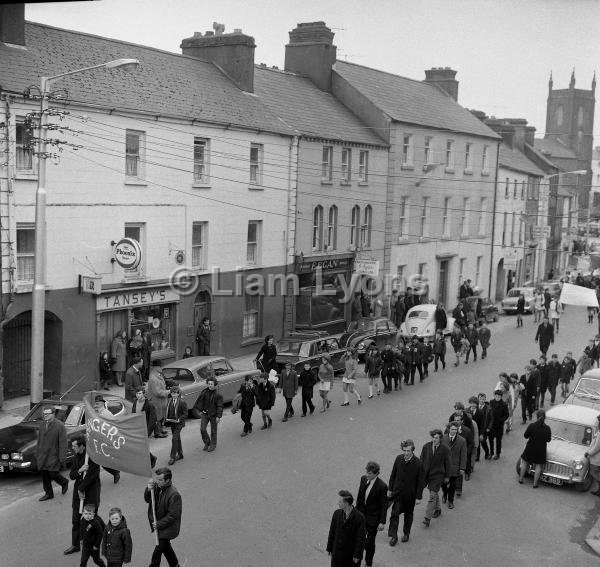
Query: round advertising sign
{"x": 128, "y": 253}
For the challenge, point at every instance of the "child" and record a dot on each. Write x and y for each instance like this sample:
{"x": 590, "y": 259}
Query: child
{"x": 175, "y": 419}
{"x": 484, "y": 338}
{"x": 187, "y": 353}
{"x": 567, "y": 371}
{"x": 427, "y": 356}
{"x": 116, "y": 544}
{"x": 91, "y": 528}
{"x": 373, "y": 364}
{"x": 456, "y": 339}
{"x": 439, "y": 350}
{"x": 325, "y": 375}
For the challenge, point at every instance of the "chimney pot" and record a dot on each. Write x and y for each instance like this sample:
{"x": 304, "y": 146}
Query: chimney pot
{"x": 444, "y": 79}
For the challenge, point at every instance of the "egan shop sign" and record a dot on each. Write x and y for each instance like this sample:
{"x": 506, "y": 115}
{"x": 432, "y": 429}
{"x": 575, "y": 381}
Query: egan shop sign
{"x": 136, "y": 298}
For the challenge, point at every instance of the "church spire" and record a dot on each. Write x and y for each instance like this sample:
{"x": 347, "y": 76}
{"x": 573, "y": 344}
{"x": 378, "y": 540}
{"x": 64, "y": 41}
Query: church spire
{"x": 572, "y": 83}
{"x": 594, "y": 83}
{"x": 550, "y": 82}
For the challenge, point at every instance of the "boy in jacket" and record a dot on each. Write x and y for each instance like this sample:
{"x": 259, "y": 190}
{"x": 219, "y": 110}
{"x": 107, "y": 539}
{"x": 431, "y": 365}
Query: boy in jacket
{"x": 265, "y": 399}
{"x": 307, "y": 381}
{"x": 484, "y": 338}
{"x": 289, "y": 388}
{"x": 210, "y": 406}
{"x": 116, "y": 544}
{"x": 473, "y": 337}
{"x": 553, "y": 377}
{"x": 91, "y": 529}
{"x": 439, "y": 350}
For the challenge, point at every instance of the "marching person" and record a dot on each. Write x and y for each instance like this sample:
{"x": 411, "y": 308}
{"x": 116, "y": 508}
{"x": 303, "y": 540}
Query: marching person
{"x": 553, "y": 314}
{"x": 545, "y": 335}
{"x": 538, "y": 435}
{"x": 349, "y": 379}
{"x": 553, "y": 377}
{"x": 499, "y": 411}
{"x": 51, "y": 453}
{"x": 175, "y": 419}
{"x": 372, "y": 502}
{"x": 427, "y": 356}
{"x": 458, "y": 459}
{"x": 346, "y": 540}
{"x": 325, "y": 381}
{"x": 91, "y": 530}
{"x": 116, "y": 543}
{"x": 203, "y": 337}
{"x": 538, "y": 302}
{"x": 307, "y": 381}
{"x": 485, "y": 335}
{"x": 388, "y": 368}
{"x": 456, "y": 338}
{"x": 441, "y": 319}
{"x": 373, "y": 365}
{"x": 158, "y": 395}
{"x": 289, "y": 388}
{"x": 134, "y": 378}
{"x": 265, "y": 399}
{"x": 437, "y": 465}
{"x": 140, "y": 405}
{"x": 473, "y": 337}
{"x": 266, "y": 359}
{"x": 86, "y": 474}
{"x": 168, "y": 515}
{"x": 567, "y": 371}
{"x": 412, "y": 355}
{"x": 482, "y": 417}
{"x": 248, "y": 392}
{"x": 405, "y": 488}
{"x": 210, "y": 405}
{"x": 520, "y": 310}
{"x": 439, "y": 350}
{"x": 118, "y": 356}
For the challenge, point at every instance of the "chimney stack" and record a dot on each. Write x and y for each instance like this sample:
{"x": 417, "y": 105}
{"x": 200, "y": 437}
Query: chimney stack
{"x": 443, "y": 78}
{"x": 311, "y": 53}
{"x": 232, "y": 52}
{"x": 12, "y": 24}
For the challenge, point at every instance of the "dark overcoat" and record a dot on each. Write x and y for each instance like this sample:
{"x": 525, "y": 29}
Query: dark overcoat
{"x": 346, "y": 539}
{"x": 407, "y": 479}
{"x": 436, "y": 466}
{"x": 458, "y": 453}
{"x": 374, "y": 508}
{"x": 87, "y": 482}
{"x": 51, "y": 446}
{"x": 538, "y": 435}
{"x": 168, "y": 511}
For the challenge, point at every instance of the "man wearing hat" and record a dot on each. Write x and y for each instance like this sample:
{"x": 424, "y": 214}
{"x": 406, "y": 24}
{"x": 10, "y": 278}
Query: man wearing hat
{"x": 51, "y": 453}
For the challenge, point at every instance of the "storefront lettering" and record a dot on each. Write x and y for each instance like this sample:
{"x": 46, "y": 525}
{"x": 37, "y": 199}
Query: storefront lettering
{"x": 135, "y": 299}
{"x": 324, "y": 264}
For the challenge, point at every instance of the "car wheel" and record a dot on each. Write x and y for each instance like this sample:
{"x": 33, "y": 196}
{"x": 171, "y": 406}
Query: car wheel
{"x": 585, "y": 485}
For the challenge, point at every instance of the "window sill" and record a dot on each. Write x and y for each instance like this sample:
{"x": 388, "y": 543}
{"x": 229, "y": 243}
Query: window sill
{"x": 134, "y": 181}
{"x": 468, "y": 171}
{"x": 407, "y": 167}
{"x": 449, "y": 170}
{"x": 363, "y": 183}
{"x": 255, "y": 187}
{"x": 26, "y": 175}
{"x": 485, "y": 173}
{"x": 345, "y": 183}
{"x": 201, "y": 186}
{"x": 249, "y": 266}
{"x": 326, "y": 182}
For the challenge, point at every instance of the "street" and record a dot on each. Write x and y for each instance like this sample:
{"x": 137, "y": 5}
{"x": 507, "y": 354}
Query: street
{"x": 266, "y": 500}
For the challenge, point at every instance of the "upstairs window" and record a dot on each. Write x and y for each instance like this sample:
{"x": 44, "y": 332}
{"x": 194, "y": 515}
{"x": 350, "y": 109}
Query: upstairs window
{"x": 332, "y": 228}
{"x": 256, "y": 164}
{"x": 201, "y": 161}
{"x": 469, "y": 157}
{"x": 407, "y": 149}
{"x": 365, "y": 230}
{"x": 327, "y": 164}
{"x": 346, "y": 165}
{"x": 355, "y": 226}
{"x": 403, "y": 221}
{"x": 199, "y": 231}
{"x": 25, "y": 252}
{"x": 24, "y": 150}
{"x": 363, "y": 166}
{"x": 253, "y": 242}
{"x": 427, "y": 150}
{"x": 317, "y": 236}
{"x": 449, "y": 154}
{"x": 485, "y": 166}
{"x": 134, "y": 153}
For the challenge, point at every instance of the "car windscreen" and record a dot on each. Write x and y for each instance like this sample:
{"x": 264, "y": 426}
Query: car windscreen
{"x": 61, "y": 412}
{"x": 289, "y": 347}
{"x": 514, "y": 293}
{"x": 418, "y": 315}
{"x": 178, "y": 374}
{"x": 570, "y": 432}
{"x": 589, "y": 388}
{"x": 364, "y": 325}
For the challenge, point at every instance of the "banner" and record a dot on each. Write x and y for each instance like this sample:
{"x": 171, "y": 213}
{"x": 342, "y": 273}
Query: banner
{"x": 117, "y": 441}
{"x": 578, "y": 295}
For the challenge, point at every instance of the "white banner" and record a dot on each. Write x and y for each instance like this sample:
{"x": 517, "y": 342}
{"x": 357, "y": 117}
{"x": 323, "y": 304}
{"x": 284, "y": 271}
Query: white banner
{"x": 578, "y": 295}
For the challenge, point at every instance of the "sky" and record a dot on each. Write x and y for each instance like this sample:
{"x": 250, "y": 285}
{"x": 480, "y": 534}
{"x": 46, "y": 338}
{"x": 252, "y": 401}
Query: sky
{"x": 503, "y": 50}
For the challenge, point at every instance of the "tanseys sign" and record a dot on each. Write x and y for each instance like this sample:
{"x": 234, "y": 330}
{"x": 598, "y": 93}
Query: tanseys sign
{"x": 136, "y": 298}
{"x": 128, "y": 253}
{"x": 116, "y": 441}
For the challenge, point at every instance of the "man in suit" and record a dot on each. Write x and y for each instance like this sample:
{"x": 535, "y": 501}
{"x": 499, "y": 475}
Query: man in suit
{"x": 545, "y": 335}
{"x": 405, "y": 488}
{"x": 435, "y": 459}
{"x": 134, "y": 378}
{"x": 51, "y": 452}
{"x": 458, "y": 461}
{"x": 346, "y": 539}
{"x": 372, "y": 502}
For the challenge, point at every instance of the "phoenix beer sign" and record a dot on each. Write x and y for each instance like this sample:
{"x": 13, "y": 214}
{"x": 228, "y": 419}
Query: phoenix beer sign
{"x": 127, "y": 253}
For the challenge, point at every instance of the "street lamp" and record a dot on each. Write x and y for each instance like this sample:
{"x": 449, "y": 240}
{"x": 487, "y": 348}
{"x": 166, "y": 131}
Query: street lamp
{"x": 38, "y": 300}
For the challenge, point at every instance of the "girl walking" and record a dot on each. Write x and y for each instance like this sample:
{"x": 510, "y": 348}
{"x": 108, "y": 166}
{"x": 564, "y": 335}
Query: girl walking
{"x": 325, "y": 381}
{"x": 373, "y": 364}
{"x": 349, "y": 379}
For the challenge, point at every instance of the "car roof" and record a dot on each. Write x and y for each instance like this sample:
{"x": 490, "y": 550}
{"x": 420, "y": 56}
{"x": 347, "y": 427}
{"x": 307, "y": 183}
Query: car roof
{"x": 423, "y": 307}
{"x": 574, "y": 414}
{"x": 193, "y": 362}
{"x": 593, "y": 373}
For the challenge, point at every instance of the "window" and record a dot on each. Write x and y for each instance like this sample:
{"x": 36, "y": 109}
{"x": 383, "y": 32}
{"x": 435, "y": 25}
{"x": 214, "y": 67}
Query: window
{"x": 515, "y": 189}
{"x": 251, "y": 317}
{"x": 253, "y": 244}
{"x": 485, "y": 160}
{"x": 365, "y": 230}
{"x": 507, "y": 188}
{"x": 25, "y": 252}
{"x": 346, "y": 164}
{"x": 461, "y": 270}
{"x": 403, "y": 221}
{"x": 24, "y": 160}
{"x": 424, "y": 228}
{"x": 522, "y": 190}
{"x": 134, "y": 153}
{"x": 400, "y": 276}
{"x": 407, "y": 150}
{"x": 482, "y": 214}
{"x": 512, "y": 229}
{"x": 137, "y": 231}
{"x": 422, "y": 268}
{"x": 469, "y": 157}
{"x": 355, "y": 226}
{"x": 478, "y": 270}
{"x": 201, "y": 161}
{"x": 256, "y": 163}
{"x": 317, "y": 236}
{"x": 332, "y": 228}
{"x": 521, "y": 230}
{"x": 446, "y": 218}
{"x": 464, "y": 221}
{"x": 427, "y": 150}
{"x": 504, "y": 225}
{"x": 449, "y": 154}
{"x": 363, "y": 166}
{"x": 327, "y": 164}
{"x": 199, "y": 236}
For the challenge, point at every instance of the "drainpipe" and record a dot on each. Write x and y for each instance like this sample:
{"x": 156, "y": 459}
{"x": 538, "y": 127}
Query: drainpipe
{"x": 494, "y": 222}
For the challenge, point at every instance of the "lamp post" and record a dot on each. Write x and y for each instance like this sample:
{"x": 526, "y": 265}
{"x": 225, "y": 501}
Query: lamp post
{"x": 38, "y": 300}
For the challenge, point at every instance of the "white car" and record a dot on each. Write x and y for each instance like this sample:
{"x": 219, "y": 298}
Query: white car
{"x": 509, "y": 303}
{"x": 420, "y": 321}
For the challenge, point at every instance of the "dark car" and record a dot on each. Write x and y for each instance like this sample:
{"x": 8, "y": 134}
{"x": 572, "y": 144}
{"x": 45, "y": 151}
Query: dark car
{"x": 480, "y": 307}
{"x": 301, "y": 348}
{"x": 18, "y": 442}
{"x": 367, "y": 331}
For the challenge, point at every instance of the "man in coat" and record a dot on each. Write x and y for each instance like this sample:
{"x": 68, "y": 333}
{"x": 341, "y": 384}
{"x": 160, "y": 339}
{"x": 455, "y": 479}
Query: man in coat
{"x": 346, "y": 539}
{"x": 483, "y": 418}
{"x": 51, "y": 453}
{"x": 485, "y": 335}
{"x": 545, "y": 335}
{"x": 405, "y": 488}
{"x": 538, "y": 435}
{"x": 372, "y": 502}
{"x": 134, "y": 378}
{"x": 142, "y": 405}
{"x": 289, "y": 388}
{"x": 86, "y": 474}
{"x": 210, "y": 406}
{"x": 532, "y": 388}
{"x": 158, "y": 394}
{"x": 436, "y": 463}
{"x": 460, "y": 317}
{"x": 458, "y": 460}
{"x": 203, "y": 337}
{"x": 168, "y": 515}
{"x": 499, "y": 411}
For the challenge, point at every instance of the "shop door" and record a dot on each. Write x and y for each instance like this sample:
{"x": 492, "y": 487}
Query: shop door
{"x": 442, "y": 294}
{"x": 202, "y": 308}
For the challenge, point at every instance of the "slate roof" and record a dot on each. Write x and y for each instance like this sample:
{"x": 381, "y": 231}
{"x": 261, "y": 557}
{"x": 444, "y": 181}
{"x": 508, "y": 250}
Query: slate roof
{"x": 553, "y": 148}
{"x": 512, "y": 158}
{"x": 165, "y": 84}
{"x": 309, "y": 110}
{"x": 412, "y": 102}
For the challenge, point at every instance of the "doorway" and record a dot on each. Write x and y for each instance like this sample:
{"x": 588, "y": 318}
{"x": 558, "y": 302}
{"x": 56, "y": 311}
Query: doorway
{"x": 500, "y": 280}
{"x": 442, "y": 294}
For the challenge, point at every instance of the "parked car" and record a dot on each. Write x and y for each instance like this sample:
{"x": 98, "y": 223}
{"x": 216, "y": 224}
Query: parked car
{"x": 367, "y": 331}
{"x": 486, "y": 308}
{"x": 191, "y": 375}
{"x": 18, "y": 442}
{"x": 574, "y": 431}
{"x": 587, "y": 390}
{"x": 310, "y": 347}
{"x": 420, "y": 321}
{"x": 509, "y": 303}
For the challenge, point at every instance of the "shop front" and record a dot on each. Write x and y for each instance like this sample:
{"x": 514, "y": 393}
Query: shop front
{"x": 145, "y": 309}
{"x": 322, "y": 282}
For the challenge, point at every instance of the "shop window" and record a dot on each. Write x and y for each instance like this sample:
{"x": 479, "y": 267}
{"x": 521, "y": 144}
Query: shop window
{"x": 25, "y": 252}
{"x": 159, "y": 321}
{"x": 251, "y": 317}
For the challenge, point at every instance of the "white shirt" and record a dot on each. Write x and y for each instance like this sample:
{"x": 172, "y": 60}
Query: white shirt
{"x": 369, "y": 486}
